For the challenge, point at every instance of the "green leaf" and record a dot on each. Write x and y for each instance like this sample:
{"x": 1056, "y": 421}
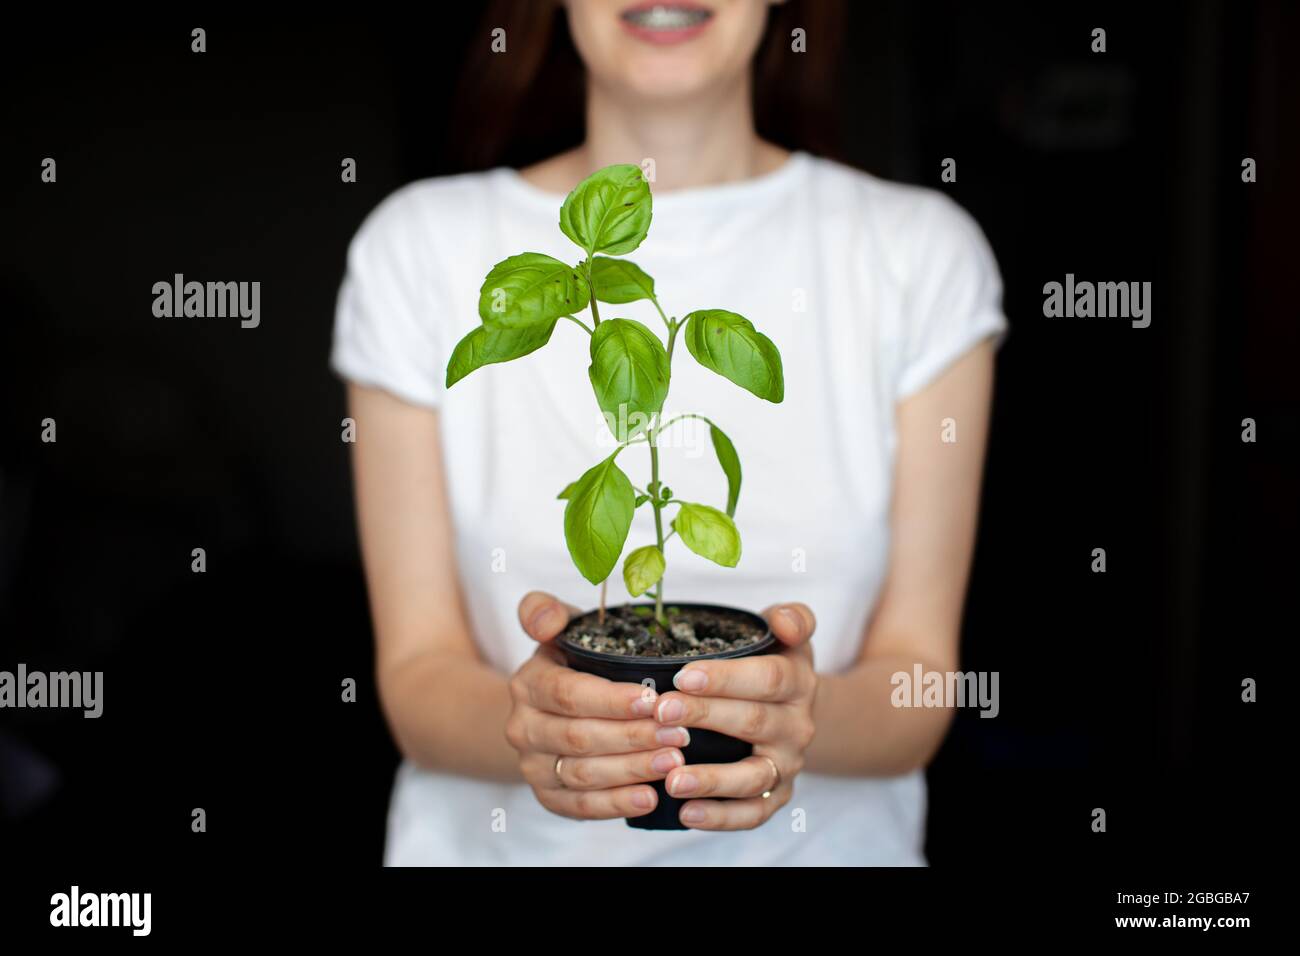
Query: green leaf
{"x": 728, "y": 344}
{"x": 709, "y": 533}
{"x": 642, "y": 569}
{"x": 597, "y": 519}
{"x": 567, "y": 493}
{"x": 609, "y": 211}
{"x": 619, "y": 281}
{"x": 640, "y": 500}
{"x": 489, "y": 344}
{"x": 531, "y": 289}
{"x": 730, "y": 463}
{"x": 629, "y": 373}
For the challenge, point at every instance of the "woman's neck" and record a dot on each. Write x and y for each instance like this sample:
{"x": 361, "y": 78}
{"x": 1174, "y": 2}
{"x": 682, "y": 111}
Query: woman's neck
{"x": 707, "y": 141}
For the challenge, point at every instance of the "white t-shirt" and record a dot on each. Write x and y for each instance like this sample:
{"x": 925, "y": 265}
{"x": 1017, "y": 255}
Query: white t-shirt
{"x": 869, "y": 289}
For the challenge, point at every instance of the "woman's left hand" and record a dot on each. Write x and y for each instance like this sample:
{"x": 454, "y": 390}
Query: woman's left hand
{"x": 766, "y": 700}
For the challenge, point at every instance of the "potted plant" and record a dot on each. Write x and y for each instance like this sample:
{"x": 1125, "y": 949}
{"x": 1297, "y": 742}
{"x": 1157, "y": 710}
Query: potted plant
{"x": 523, "y": 297}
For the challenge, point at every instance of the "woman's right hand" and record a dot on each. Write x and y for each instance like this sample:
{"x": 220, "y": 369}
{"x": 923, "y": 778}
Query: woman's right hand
{"x": 587, "y": 746}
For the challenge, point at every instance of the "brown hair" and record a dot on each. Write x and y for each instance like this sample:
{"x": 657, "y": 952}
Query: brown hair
{"x": 506, "y": 114}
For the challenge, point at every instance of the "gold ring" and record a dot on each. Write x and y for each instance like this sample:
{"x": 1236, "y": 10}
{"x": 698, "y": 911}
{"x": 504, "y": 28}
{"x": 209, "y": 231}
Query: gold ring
{"x": 776, "y": 776}
{"x": 558, "y": 762}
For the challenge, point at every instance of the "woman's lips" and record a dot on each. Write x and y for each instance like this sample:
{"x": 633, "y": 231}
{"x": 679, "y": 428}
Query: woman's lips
{"x": 665, "y": 22}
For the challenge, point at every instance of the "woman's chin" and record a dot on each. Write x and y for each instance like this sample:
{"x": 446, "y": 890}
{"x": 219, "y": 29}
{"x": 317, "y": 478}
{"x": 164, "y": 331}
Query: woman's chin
{"x": 665, "y": 82}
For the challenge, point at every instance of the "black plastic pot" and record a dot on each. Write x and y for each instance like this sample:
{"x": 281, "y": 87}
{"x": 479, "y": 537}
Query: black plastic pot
{"x": 706, "y": 746}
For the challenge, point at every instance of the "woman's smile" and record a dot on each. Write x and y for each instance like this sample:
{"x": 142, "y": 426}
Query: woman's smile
{"x": 665, "y": 23}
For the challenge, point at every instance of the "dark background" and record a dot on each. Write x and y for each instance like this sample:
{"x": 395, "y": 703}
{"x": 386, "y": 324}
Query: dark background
{"x": 222, "y": 690}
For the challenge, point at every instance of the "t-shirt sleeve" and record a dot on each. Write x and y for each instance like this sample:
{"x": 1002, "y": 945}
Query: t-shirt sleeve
{"x": 954, "y": 296}
{"x": 385, "y": 332}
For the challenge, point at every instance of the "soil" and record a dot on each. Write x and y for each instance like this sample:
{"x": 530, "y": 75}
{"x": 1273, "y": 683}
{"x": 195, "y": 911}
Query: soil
{"x": 631, "y": 631}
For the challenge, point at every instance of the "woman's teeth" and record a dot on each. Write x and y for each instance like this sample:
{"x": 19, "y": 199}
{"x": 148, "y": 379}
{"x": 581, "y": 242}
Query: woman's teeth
{"x": 667, "y": 17}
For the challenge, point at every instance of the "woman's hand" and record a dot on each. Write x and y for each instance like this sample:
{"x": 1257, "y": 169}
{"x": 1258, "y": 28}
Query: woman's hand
{"x": 586, "y": 745}
{"x": 766, "y": 700}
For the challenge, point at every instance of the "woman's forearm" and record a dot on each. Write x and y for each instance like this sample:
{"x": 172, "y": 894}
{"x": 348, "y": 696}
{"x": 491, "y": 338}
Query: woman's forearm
{"x": 448, "y": 712}
{"x": 861, "y": 733}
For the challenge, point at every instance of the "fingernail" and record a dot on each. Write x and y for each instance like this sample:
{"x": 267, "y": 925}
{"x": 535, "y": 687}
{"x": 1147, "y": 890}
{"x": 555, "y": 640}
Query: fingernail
{"x": 537, "y": 623}
{"x": 644, "y": 705}
{"x": 666, "y": 761}
{"x": 692, "y": 814}
{"x": 643, "y": 799}
{"x": 673, "y": 736}
{"x": 670, "y": 710}
{"x": 793, "y": 621}
{"x": 683, "y": 784}
{"x": 693, "y": 678}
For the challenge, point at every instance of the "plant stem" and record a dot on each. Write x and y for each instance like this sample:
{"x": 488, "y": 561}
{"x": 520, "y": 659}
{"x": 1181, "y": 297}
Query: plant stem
{"x": 652, "y": 436}
{"x": 581, "y": 324}
{"x": 591, "y": 287}
{"x": 678, "y": 418}
{"x": 659, "y": 521}
{"x": 601, "y": 617}
{"x": 667, "y": 321}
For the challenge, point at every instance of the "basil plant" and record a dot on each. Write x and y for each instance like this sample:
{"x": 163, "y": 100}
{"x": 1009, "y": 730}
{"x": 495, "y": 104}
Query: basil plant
{"x": 522, "y": 299}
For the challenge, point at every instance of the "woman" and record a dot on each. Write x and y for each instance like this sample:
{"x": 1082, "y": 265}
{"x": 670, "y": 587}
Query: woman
{"x": 885, "y": 303}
